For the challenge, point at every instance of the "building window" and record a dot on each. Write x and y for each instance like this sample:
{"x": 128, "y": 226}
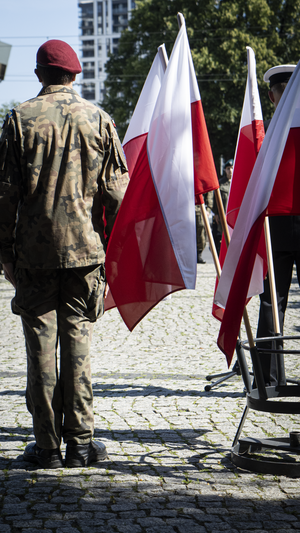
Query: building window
{"x": 87, "y": 18}
{"x": 100, "y": 18}
{"x": 119, "y": 7}
{"x": 88, "y": 91}
{"x": 119, "y": 16}
{"x": 88, "y": 48}
{"x": 115, "y": 44}
{"x": 87, "y": 53}
{"x": 88, "y": 70}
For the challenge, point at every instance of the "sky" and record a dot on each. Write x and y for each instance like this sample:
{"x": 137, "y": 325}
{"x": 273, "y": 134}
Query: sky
{"x": 26, "y": 24}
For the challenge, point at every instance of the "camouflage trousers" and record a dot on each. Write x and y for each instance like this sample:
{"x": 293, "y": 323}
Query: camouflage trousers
{"x": 200, "y": 230}
{"x": 58, "y": 308}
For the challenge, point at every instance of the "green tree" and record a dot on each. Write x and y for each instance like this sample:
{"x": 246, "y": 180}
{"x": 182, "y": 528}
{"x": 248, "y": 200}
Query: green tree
{"x": 4, "y": 109}
{"x": 219, "y": 31}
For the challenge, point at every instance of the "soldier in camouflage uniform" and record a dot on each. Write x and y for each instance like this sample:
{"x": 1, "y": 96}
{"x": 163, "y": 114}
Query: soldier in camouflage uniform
{"x": 61, "y": 164}
{"x": 225, "y": 183}
{"x": 200, "y": 228}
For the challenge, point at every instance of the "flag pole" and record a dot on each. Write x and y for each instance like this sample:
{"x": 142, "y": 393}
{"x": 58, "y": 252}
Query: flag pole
{"x": 271, "y": 277}
{"x": 279, "y": 358}
{"x": 163, "y": 56}
{"x": 222, "y": 216}
{"x": 211, "y": 240}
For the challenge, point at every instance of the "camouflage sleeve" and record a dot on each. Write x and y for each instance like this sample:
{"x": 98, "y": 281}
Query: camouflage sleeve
{"x": 209, "y": 200}
{"x": 214, "y": 207}
{"x": 9, "y": 188}
{"x": 114, "y": 176}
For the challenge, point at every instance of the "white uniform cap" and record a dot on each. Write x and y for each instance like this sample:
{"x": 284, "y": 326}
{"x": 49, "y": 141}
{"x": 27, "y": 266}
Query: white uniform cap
{"x": 279, "y": 74}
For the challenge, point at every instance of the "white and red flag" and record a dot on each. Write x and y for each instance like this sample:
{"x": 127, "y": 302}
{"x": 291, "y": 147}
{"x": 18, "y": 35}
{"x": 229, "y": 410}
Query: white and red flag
{"x": 276, "y": 150}
{"x": 152, "y": 248}
{"x": 139, "y": 125}
{"x": 250, "y": 138}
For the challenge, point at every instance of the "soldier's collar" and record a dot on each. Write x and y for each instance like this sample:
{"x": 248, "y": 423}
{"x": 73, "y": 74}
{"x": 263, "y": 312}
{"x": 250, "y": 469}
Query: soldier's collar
{"x": 50, "y": 89}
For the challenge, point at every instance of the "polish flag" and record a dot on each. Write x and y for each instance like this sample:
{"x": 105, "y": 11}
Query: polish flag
{"x": 152, "y": 248}
{"x": 139, "y": 125}
{"x": 240, "y": 259}
{"x": 250, "y": 138}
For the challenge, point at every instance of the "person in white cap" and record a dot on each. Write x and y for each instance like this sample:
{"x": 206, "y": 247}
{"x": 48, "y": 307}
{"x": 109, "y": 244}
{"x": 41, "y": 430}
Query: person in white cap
{"x": 285, "y": 238}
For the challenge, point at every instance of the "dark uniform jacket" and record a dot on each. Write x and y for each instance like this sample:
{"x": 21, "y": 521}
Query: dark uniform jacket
{"x": 61, "y": 164}
{"x": 285, "y": 230}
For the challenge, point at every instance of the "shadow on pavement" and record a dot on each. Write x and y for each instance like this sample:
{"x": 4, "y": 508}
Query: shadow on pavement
{"x": 90, "y": 502}
{"x": 128, "y": 389}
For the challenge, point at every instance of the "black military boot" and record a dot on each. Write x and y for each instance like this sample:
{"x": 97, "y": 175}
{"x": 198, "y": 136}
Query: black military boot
{"x": 200, "y": 259}
{"x": 44, "y": 458}
{"x": 78, "y": 455}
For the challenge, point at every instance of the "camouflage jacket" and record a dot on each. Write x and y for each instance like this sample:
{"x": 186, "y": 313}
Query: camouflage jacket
{"x": 61, "y": 167}
{"x": 224, "y": 191}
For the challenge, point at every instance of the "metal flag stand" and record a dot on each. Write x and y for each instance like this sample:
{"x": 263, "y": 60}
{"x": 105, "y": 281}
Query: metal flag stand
{"x": 262, "y": 455}
{"x": 224, "y": 376}
{"x": 276, "y": 456}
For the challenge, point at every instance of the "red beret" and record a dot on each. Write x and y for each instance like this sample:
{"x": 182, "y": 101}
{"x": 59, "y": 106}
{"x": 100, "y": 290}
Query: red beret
{"x": 58, "y": 54}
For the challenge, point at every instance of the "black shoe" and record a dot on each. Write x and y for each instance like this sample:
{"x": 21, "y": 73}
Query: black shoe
{"x": 200, "y": 259}
{"x": 44, "y": 458}
{"x": 78, "y": 455}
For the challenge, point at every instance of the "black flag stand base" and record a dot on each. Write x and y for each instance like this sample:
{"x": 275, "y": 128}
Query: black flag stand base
{"x": 239, "y": 368}
{"x": 220, "y": 378}
{"x": 278, "y": 456}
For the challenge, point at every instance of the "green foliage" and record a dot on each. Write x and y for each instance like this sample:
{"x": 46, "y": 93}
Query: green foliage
{"x": 4, "y": 109}
{"x": 219, "y": 31}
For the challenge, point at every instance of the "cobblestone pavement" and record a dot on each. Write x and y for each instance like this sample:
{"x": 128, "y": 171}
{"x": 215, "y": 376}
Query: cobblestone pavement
{"x": 169, "y": 468}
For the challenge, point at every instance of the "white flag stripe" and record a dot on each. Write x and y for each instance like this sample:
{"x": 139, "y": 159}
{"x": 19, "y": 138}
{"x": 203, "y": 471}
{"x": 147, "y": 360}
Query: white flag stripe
{"x": 170, "y": 153}
{"x": 255, "y": 108}
{"x": 246, "y": 113}
{"x": 141, "y": 118}
{"x": 256, "y": 282}
{"x": 195, "y": 93}
{"x": 261, "y": 182}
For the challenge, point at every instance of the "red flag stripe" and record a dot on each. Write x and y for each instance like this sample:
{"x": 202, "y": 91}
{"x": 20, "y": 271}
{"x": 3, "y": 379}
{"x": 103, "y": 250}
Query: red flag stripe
{"x": 142, "y": 248}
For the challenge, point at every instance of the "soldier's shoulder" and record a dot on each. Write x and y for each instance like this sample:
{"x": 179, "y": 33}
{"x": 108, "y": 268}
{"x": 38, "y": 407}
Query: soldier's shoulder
{"x": 27, "y": 103}
{"x": 96, "y": 109}
{"x": 25, "y": 108}
{"x": 224, "y": 184}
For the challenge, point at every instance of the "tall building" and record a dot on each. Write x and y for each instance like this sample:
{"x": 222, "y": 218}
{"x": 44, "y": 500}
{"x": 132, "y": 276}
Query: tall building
{"x": 101, "y": 23}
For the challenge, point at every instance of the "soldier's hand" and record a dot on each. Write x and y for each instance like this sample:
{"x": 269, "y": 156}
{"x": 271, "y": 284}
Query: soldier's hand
{"x": 106, "y": 290}
{"x": 8, "y": 269}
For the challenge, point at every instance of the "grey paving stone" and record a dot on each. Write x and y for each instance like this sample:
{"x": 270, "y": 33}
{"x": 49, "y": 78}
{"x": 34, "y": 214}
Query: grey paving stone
{"x": 192, "y": 528}
{"x": 30, "y": 524}
{"x": 124, "y": 507}
{"x": 128, "y": 528}
{"x": 67, "y": 529}
{"x": 169, "y": 441}
{"x": 160, "y": 529}
{"x": 184, "y": 524}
